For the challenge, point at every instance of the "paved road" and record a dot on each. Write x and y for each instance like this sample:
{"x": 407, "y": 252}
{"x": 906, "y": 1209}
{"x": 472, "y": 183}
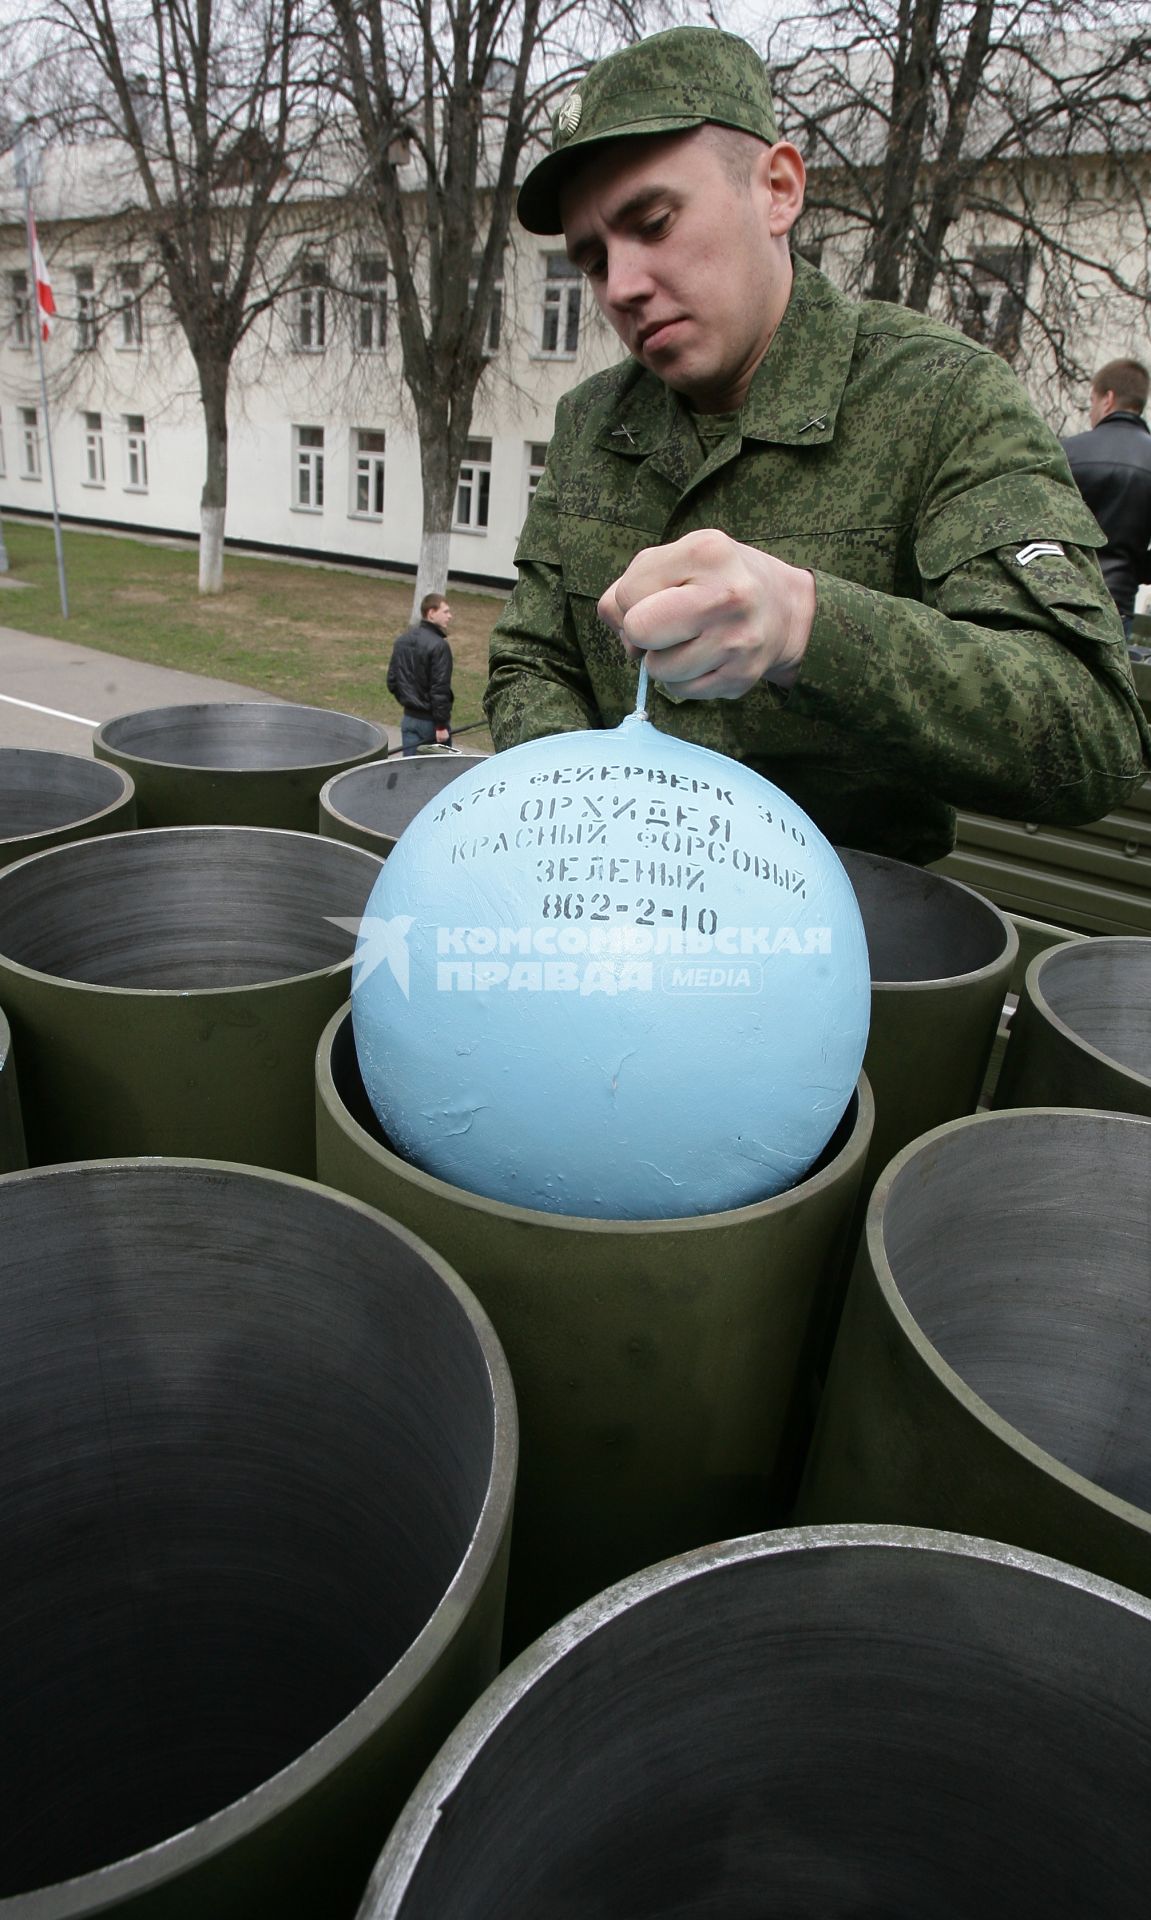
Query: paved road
{"x": 52, "y": 693}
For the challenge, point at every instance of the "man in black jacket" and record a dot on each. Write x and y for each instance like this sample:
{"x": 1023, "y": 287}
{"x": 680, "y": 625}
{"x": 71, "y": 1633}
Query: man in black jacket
{"x": 1112, "y": 468}
{"x": 420, "y": 676}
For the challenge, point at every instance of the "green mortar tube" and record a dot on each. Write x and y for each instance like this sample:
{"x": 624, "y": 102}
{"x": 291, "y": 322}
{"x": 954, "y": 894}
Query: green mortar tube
{"x": 663, "y": 1368}
{"x": 988, "y": 1376}
{"x": 1081, "y": 1035}
{"x": 48, "y": 799}
{"x": 166, "y": 990}
{"x": 12, "y": 1150}
{"x": 1035, "y": 936}
{"x": 370, "y": 806}
{"x": 252, "y": 763}
{"x": 255, "y": 1495}
{"x": 941, "y": 960}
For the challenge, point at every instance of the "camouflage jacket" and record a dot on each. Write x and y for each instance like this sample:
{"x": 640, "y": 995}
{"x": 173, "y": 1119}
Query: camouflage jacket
{"x": 953, "y": 661}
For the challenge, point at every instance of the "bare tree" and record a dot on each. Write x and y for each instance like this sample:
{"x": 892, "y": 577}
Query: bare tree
{"x": 217, "y": 108}
{"x": 986, "y": 157}
{"x": 460, "y": 87}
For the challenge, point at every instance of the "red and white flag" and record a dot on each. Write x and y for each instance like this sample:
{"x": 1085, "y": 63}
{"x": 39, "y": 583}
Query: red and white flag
{"x": 45, "y": 300}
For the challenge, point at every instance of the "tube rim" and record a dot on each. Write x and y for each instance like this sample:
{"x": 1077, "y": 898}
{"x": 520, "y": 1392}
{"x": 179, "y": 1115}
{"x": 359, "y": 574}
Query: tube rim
{"x": 150, "y": 1870}
{"x": 416, "y": 1825}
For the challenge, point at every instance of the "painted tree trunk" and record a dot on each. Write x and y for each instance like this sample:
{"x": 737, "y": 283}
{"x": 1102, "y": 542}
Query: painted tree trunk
{"x": 214, "y": 498}
{"x": 432, "y": 572}
{"x": 211, "y": 549}
{"x": 438, "y": 471}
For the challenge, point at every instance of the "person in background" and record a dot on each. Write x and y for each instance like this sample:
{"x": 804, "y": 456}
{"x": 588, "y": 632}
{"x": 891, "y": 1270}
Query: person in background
{"x": 849, "y": 549}
{"x": 420, "y": 677}
{"x": 1112, "y": 467}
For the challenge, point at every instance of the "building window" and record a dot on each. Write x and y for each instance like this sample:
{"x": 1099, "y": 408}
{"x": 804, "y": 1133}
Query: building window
{"x": 537, "y": 452}
{"x": 130, "y": 305}
{"x": 312, "y": 308}
{"x": 137, "y": 453}
{"x": 86, "y": 329}
{"x": 495, "y": 311}
{"x": 94, "y": 449}
{"x": 562, "y": 290}
{"x": 368, "y": 473}
{"x": 372, "y": 302}
{"x": 308, "y": 463}
{"x": 30, "y": 442}
{"x": 991, "y": 303}
{"x": 473, "y": 489}
{"x": 21, "y": 309}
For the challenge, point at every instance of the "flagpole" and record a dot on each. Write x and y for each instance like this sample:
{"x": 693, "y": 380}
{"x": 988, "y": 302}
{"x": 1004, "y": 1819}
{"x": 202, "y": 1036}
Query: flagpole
{"x": 26, "y": 164}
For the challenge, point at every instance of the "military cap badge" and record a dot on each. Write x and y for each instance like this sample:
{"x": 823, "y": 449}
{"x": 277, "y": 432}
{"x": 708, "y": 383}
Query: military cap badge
{"x": 568, "y": 117}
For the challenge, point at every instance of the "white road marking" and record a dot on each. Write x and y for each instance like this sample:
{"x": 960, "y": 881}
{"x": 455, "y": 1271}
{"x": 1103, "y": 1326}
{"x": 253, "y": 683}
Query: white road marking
{"x": 53, "y": 712}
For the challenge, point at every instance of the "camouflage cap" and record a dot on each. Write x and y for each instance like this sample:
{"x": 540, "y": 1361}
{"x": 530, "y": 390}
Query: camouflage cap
{"x": 665, "y": 84}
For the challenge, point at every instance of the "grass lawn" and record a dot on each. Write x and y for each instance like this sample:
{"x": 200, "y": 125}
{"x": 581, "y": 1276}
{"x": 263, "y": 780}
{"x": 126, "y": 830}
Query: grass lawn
{"x": 318, "y": 635}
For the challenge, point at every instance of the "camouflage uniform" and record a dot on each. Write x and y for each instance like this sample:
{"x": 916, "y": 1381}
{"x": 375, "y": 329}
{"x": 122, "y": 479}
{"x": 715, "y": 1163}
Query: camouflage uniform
{"x": 953, "y": 662}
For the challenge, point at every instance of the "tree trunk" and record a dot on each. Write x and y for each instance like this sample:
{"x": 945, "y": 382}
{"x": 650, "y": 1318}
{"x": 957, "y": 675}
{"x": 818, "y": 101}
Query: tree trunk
{"x": 214, "y": 498}
{"x": 439, "y": 472}
{"x": 432, "y": 572}
{"x": 211, "y": 549}
{"x": 910, "y": 109}
{"x": 950, "y": 175}
{"x": 3, "y": 550}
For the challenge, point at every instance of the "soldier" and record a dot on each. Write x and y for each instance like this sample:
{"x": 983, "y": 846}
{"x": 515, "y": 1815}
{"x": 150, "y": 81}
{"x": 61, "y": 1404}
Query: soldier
{"x": 849, "y": 549}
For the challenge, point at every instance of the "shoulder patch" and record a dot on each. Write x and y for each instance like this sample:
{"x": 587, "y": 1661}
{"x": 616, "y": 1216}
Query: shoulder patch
{"x": 1032, "y": 552}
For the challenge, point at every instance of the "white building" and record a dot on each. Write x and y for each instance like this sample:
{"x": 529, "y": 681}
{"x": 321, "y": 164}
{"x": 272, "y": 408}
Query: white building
{"x": 323, "y": 456}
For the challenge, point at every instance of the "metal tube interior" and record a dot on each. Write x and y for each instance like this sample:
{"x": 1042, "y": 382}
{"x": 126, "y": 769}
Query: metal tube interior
{"x": 249, "y": 1434}
{"x": 186, "y": 908}
{"x": 242, "y": 735}
{"x": 1021, "y": 1246}
{"x": 919, "y": 925}
{"x": 386, "y": 796}
{"x": 844, "y": 1722}
{"x": 41, "y": 792}
{"x": 1101, "y": 990}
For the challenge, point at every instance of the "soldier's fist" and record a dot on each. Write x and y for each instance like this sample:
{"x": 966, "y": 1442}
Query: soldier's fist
{"x": 712, "y": 616}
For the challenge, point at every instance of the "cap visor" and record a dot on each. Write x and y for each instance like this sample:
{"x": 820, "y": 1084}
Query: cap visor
{"x": 538, "y": 202}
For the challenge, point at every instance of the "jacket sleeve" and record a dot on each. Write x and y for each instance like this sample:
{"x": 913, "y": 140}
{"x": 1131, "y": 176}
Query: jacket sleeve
{"x": 392, "y": 682}
{"x": 537, "y": 680}
{"x": 1005, "y": 687}
{"x": 440, "y": 684}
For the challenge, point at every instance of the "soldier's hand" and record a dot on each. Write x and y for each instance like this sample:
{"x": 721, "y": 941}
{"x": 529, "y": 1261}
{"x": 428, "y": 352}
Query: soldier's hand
{"x": 712, "y": 616}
